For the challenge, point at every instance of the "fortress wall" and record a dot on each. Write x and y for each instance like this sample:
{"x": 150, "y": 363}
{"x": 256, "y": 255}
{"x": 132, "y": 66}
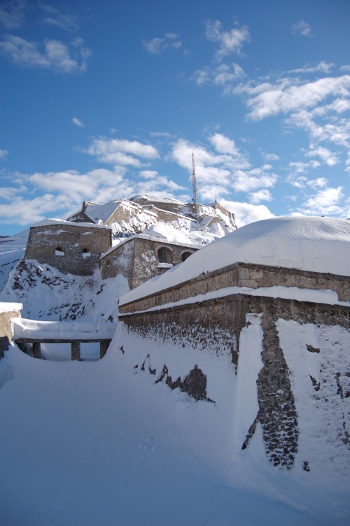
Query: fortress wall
{"x": 244, "y": 275}
{"x": 137, "y": 260}
{"x": 219, "y": 327}
{"x": 72, "y": 240}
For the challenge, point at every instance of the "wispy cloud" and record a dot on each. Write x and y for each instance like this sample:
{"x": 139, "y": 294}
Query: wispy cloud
{"x": 3, "y": 154}
{"x": 121, "y": 151}
{"x": 229, "y": 41}
{"x": 222, "y": 75}
{"x": 322, "y": 66}
{"x": 54, "y": 17}
{"x": 328, "y": 157}
{"x": 12, "y": 14}
{"x": 302, "y": 29}
{"x": 77, "y": 122}
{"x": 53, "y": 54}
{"x": 155, "y": 46}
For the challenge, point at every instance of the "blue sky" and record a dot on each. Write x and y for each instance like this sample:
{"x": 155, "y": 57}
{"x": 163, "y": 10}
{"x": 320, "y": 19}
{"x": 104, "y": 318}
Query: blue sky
{"x": 108, "y": 99}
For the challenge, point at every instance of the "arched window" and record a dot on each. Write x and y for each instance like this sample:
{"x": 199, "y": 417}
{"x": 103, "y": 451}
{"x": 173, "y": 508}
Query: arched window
{"x": 186, "y": 255}
{"x": 86, "y": 253}
{"x": 165, "y": 255}
{"x": 59, "y": 251}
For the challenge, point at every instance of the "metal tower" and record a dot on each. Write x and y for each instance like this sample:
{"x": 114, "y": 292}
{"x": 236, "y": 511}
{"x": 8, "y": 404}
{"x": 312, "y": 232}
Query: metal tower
{"x": 194, "y": 185}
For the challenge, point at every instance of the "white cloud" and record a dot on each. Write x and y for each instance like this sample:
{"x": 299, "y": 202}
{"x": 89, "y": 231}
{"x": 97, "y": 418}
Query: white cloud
{"x": 229, "y": 41}
{"x": 326, "y": 155}
{"x": 55, "y": 55}
{"x": 12, "y": 13}
{"x": 3, "y": 154}
{"x": 302, "y": 29}
{"x": 247, "y": 213}
{"x": 223, "y": 144}
{"x": 77, "y": 122}
{"x": 121, "y": 151}
{"x": 345, "y": 68}
{"x": 270, "y": 156}
{"x": 320, "y": 182}
{"x": 261, "y": 195}
{"x": 223, "y": 75}
{"x": 286, "y": 95}
{"x": 155, "y": 46}
{"x": 324, "y": 202}
{"x": 322, "y": 66}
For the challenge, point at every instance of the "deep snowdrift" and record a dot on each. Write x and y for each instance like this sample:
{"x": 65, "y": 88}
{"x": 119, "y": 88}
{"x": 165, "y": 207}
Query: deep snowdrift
{"x": 319, "y": 244}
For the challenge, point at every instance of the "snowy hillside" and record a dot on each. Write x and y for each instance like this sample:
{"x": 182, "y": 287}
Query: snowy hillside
{"x": 11, "y": 250}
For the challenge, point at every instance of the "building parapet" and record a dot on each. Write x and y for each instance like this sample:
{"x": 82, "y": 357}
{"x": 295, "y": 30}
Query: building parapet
{"x": 241, "y": 275}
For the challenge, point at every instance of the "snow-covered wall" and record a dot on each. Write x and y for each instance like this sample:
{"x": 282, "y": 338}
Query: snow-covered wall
{"x": 273, "y": 364}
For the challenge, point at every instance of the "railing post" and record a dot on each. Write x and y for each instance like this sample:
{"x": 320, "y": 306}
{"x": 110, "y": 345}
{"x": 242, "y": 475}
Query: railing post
{"x": 103, "y": 348}
{"x": 36, "y": 350}
{"x": 75, "y": 350}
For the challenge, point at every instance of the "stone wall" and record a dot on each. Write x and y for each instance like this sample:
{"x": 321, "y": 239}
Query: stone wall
{"x": 244, "y": 275}
{"x": 216, "y": 325}
{"x": 69, "y": 247}
{"x": 6, "y": 313}
{"x": 137, "y": 260}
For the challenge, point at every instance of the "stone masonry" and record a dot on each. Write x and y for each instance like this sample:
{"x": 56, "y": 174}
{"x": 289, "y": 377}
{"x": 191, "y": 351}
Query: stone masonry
{"x": 244, "y": 275}
{"x": 70, "y": 247}
{"x": 137, "y": 259}
{"x": 216, "y": 324}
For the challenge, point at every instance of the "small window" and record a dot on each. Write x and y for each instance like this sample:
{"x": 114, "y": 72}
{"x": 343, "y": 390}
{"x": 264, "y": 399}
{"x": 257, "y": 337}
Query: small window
{"x": 165, "y": 255}
{"x": 59, "y": 251}
{"x": 186, "y": 255}
{"x": 86, "y": 253}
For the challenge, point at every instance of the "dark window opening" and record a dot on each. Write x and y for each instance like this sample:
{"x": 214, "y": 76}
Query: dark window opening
{"x": 59, "y": 251}
{"x": 186, "y": 255}
{"x": 165, "y": 255}
{"x": 86, "y": 253}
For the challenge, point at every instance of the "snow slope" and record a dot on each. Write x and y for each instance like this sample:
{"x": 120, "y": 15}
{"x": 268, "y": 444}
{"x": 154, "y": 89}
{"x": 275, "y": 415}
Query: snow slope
{"x": 11, "y": 250}
{"x": 319, "y": 244}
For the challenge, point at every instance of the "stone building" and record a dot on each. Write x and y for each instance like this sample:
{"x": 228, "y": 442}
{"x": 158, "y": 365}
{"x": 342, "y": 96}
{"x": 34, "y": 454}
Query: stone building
{"x": 73, "y": 248}
{"x": 140, "y": 258}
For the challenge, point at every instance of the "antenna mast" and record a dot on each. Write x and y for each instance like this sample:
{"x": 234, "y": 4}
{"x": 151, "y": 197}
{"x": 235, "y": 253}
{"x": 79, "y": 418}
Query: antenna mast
{"x": 194, "y": 184}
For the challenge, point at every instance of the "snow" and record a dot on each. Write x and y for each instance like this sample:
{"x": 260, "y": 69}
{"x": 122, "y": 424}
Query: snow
{"x": 95, "y": 443}
{"x": 11, "y": 250}
{"x": 24, "y": 328}
{"x": 56, "y": 221}
{"x": 306, "y": 243}
{"x": 10, "y": 307}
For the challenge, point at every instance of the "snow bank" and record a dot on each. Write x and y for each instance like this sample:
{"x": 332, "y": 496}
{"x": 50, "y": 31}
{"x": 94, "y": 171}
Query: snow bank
{"x": 24, "y": 328}
{"x": 9, "y": 307}
{"x": 318, "y": 244}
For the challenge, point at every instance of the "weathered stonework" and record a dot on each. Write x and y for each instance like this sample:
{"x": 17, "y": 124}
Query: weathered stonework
{"x": 215, "y": 326}
{"x": 70, "y": 247}
{"x": 244, "y": 275}
{"x": 137, "y": 259}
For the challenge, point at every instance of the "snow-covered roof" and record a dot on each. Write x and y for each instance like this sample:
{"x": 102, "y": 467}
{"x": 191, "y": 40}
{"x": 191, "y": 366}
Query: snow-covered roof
{"x": 154, "y": 199}
{"x": 101, "y": 212}
{"x": 149, "y": 238}
{"x": 51, "y": 222}
{"x": 10, "y": 307}
{"x": 318, "y": 244}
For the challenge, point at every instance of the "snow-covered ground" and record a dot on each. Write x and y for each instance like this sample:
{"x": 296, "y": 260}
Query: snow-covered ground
{"x": 101, "y": 443}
